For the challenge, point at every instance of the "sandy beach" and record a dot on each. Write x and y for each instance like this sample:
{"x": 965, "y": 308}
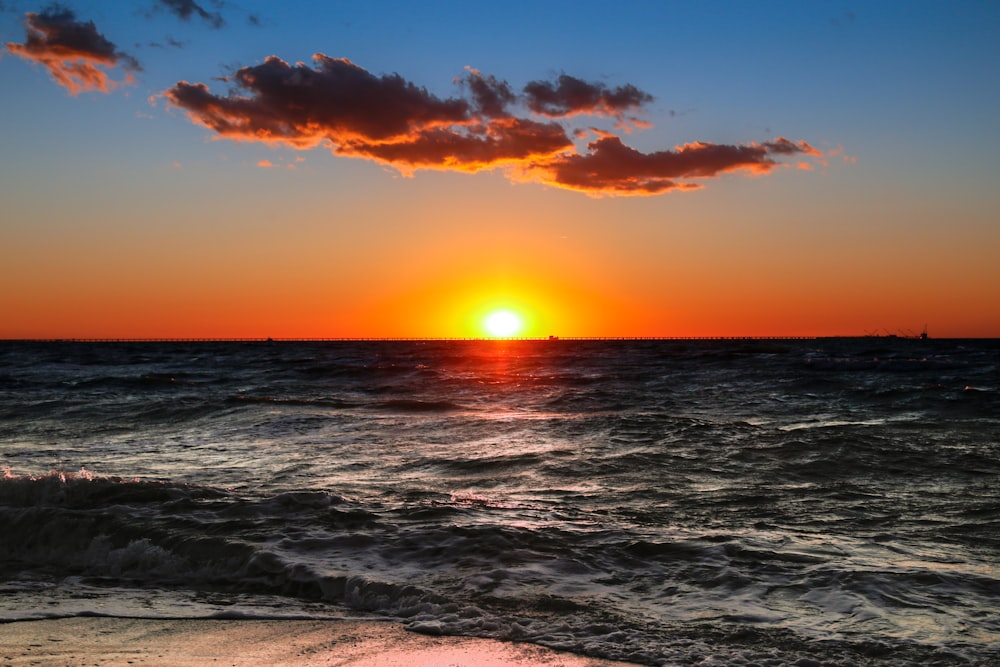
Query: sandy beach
{"x": 82, "y": 642}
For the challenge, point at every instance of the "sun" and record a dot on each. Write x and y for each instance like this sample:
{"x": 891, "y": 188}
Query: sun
{"x": 503, "y": 324}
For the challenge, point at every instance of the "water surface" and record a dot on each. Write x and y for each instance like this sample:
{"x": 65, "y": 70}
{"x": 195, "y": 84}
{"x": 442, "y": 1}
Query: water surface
{"x": 665, "y": 502}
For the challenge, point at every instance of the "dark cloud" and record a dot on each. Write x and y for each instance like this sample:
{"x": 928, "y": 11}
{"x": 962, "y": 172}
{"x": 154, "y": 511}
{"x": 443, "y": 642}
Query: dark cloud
{"x": 338, "y": 104}
{"x": 490, "y": 96}
{"x": 186, "y": 9}
{"x": 383, "y": 118}
{"x": 73, "y": 51}
{"x": 302, "y": 106}
{"x": 570, "y": 96}
{"x": 503, "y": 141}
{"x": 611, "y": 167}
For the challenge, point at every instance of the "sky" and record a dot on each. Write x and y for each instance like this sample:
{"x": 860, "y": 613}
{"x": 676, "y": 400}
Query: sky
{"x": 317, "y": 169}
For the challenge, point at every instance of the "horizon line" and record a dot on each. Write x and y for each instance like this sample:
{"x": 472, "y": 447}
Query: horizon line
{"x": 415, "y": 339}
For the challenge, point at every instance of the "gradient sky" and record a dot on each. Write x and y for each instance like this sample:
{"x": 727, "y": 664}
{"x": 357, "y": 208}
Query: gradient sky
{"x": 196, "y": 168}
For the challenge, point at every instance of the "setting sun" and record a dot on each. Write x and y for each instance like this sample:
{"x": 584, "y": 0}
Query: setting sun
{"x": 503, "y": 324}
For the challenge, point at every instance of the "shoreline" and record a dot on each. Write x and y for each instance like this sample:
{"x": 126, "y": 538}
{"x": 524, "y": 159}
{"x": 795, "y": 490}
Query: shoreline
{"x": 113, "y": 641}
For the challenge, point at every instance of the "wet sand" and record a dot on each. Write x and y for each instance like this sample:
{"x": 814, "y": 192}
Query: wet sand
{"x": 190, "y": 643}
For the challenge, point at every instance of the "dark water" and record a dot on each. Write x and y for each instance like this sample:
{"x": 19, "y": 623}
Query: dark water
{"x": 666, "y": 502}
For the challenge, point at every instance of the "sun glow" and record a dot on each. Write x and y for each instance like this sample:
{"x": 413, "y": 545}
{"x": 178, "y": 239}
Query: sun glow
{"x": 503, "y": 324}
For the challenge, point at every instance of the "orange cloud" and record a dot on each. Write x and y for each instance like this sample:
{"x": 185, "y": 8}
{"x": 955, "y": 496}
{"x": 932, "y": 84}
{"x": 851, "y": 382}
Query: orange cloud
{"x": 839, "y": 151}
{"x": 501, "y": 141}
{"x": 336, "y": 103}
{"x": 612, "y": 168}
{"x": 74, "y": 52}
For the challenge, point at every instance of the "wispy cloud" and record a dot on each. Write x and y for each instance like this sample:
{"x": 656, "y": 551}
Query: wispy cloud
{"x": 188, "y": 9}
{"x": 74, "y": 52}
{"x": 168, "y": 42}
{"x": 337, "y": 104}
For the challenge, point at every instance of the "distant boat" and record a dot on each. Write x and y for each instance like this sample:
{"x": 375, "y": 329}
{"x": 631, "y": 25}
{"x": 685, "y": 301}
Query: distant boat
{"x": 923, "y": 335}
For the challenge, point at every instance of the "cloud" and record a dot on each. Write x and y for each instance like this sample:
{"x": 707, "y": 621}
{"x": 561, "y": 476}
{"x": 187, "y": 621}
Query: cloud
{"x": 185, "y": 9}
{"x": 303, "y": 107}
{"x": 74, "y": 52}
{"x": 611, "y": 167}
{"x": 839, "y": 151}
{"x": 168, "y": 42}
{"x": 489, "y": 95}
{"x": 506, "y": 141}
{"x": 570, "y": 96}
{"x": 336, "y": 104}
{"x": 384, "y": 118}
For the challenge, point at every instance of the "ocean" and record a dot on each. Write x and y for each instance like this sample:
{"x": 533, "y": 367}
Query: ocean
{"x": 731, "y": 502}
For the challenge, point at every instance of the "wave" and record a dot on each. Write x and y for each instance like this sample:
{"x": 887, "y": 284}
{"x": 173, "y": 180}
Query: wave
{"x": 449, "y": 572}
{"x": 145, "y": 533}
{"x": 415, "y": 405}
{"x": 298, "y": 402}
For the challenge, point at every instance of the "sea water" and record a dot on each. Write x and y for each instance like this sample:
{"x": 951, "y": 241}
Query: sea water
{"x": 801, "y": 502}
